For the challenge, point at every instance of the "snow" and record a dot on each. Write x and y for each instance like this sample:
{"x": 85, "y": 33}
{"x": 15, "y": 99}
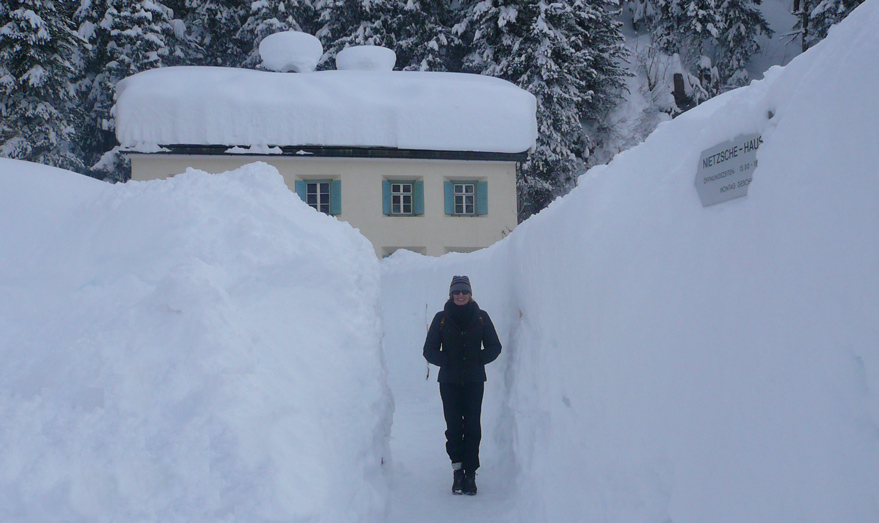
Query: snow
{"x": 35, "y": 76}
{"x": 669, "y": 362}
{"x": 290, "y": 51}
{"x": 398, "y": 109}
{"x": 366, "y": 58}
{"x": 207, "y": 348}
{"x": 35, "y": 20}
{"x": 86, "y": 31}
{"x": 200, "y": 349}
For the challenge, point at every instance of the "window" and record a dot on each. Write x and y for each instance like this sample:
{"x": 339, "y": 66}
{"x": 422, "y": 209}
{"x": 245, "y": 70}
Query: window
{"x": 387, "y": 251}
{"x": 322, "y": 195}
{"x": 466, "y": 198}
{"x": 462, "y": 249}
{"x": 317, "y": 195}
{"x": 403, "y": 197}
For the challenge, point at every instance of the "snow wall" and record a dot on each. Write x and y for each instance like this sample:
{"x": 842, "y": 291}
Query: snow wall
{"x": 203, "y": 348}
{"x": 666, "y": 362}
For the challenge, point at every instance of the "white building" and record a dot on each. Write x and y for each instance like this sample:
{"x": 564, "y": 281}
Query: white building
{"x": 417, "y": 160}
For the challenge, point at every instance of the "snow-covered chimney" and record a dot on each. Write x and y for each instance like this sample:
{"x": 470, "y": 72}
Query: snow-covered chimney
{"x": 366, "y": 58}
{"x": 290, "y": 51}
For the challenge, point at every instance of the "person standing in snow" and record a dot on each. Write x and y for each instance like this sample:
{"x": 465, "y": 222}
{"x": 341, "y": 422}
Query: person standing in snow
{"x": 461, "y": 341}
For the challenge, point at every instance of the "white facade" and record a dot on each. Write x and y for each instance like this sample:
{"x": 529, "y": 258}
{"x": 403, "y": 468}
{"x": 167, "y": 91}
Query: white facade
{"x": 361, "y": 203}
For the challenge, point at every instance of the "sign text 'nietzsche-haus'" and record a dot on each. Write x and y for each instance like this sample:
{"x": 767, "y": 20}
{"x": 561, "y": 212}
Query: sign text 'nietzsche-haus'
{"x": 725, "y": 170}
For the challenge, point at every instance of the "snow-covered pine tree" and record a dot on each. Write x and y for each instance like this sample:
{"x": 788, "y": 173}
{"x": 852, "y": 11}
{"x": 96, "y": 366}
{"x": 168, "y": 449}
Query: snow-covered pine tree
{"x": 687, "y": 27}
{"x": 273, "y": 16}
{"x": 816, "y": 17}
{"x": 213, "y": 25}
{"x": 423, "y": 34}
{"x": 97, "y": 136}
{"x": 714, "y": 38}
{"x": 127, "y": 37}
{"x": 38, "y": 105}
{"x": 144, "y": 34}
{"x": 563, "y": 52}
{"x": 737, "y": 43}
{"x": 345, "y": 23}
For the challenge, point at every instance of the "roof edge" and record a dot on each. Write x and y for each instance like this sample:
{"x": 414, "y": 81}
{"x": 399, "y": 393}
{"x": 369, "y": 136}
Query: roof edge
{"x": 341, "y": 152}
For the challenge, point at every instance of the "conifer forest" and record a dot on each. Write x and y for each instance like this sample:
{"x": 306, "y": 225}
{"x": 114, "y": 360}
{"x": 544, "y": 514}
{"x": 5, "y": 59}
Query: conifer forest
{"x": 60, "y": 61}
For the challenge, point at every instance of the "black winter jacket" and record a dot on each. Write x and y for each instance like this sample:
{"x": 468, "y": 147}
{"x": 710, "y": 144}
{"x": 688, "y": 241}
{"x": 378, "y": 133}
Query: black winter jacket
{"x": 461, "y": 351}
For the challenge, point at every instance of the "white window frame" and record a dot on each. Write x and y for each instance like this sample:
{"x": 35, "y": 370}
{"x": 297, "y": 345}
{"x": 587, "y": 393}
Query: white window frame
{"x": 402, "y": 200}
{"x": 464, "y": 198}
{"x": 315, "y": 194}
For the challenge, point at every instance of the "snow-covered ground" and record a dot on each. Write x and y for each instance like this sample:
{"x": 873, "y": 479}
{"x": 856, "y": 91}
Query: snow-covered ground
{"x": 207, "y": 348}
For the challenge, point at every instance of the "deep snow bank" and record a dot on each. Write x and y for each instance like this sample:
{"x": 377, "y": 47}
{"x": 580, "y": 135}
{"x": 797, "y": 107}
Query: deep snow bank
{"x": 669, "y": 362}
{"x": 204, "y": 348}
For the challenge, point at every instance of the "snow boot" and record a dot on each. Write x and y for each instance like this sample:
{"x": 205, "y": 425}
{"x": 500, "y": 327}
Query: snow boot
{"x": 470, "y": 483}
{"x": 458, "y": 483}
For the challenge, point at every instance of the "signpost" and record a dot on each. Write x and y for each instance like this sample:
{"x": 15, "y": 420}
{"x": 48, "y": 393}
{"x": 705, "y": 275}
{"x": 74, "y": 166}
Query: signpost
{"x": 725, "y": 170}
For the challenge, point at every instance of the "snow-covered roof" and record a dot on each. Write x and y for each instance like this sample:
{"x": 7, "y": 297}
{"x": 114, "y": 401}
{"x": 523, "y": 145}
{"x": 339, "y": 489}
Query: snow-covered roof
{"x": 382, "y": 109}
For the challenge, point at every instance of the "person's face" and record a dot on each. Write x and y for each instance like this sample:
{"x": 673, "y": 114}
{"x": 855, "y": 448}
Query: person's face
{"x": 461, "y": 297}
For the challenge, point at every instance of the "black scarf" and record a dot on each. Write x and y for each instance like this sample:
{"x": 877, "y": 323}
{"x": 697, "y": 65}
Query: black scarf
{"x": 462, "y": 315}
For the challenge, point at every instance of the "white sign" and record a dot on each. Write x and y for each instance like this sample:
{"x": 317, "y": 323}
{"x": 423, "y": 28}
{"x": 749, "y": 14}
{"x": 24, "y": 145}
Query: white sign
{"x": 725, "y": 170}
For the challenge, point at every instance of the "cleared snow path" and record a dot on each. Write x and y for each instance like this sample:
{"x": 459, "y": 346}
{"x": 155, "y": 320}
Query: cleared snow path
{"x": 421, "y": 476}
{"x": 422, "y": 479}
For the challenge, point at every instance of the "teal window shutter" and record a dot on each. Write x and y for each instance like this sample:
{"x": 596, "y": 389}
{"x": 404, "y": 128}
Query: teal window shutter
{"x": 300, "y": 189}
{"x": 450, "y": 198}
{"x": 336, "y": 197}
{"x": 418, "y": 197}
{"x": 386, "y": 197}
{"x": 481, "y": 198}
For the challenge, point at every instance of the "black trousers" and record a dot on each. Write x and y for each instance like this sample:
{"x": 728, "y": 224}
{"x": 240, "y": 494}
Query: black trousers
{"x": 462, "y": 408}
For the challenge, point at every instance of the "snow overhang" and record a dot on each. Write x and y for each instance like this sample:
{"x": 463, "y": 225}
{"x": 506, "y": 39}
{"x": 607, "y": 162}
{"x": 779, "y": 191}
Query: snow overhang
{"x": 364, "y": 112}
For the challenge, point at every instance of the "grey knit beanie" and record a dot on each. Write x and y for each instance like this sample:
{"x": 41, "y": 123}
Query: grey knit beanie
{"x": 460, "y": 283}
